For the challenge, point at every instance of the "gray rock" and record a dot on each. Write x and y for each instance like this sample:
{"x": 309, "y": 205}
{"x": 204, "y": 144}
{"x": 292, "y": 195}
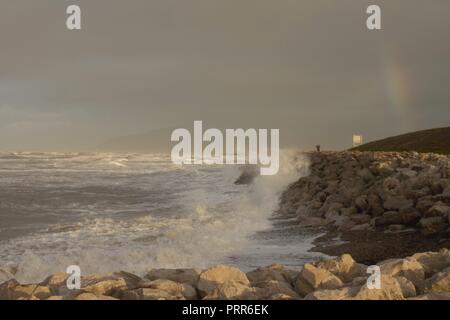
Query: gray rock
{"x": 397, "y": 203}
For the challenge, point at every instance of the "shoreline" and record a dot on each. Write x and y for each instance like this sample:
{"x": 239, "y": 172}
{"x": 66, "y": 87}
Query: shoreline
{"x": 388, "y": 209}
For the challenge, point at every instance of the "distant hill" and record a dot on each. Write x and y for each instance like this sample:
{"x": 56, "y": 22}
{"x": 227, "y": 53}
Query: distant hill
{"x": 432, "y": 140}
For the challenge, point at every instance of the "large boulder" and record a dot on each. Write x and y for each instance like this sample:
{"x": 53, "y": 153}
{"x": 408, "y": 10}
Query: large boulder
{"x": 7, "y": 289}
{"x": 55, "y": 298}
{"x": 211, "y": 278}
{"x": 440, "y": 282}
{"x": 232, "y": 290}
{"x": 397, "y": 203}
{"x": 102, "y": 285}
{"x": 391, "y": 185}
{"x": 189, "y": 276}
{"x": 281, "y": 296}
{"x": 42, "y": 292}
{"x": 438, "y": 210}
{"x": 171, "y": 287}
{"x": 149, "y": 294}
{"x": 55, "y": 280}
{"x": 5, "y": 275}
{"x": 432, "y": 225}
{"x": 319, "y": 278}
{"x": 362, "y": 203}
{"x": 410, "y": 269}
{"x": 273, "y": 287}
{"x": 343, "y": 267}
{"x": 302, "y": 287}
{"x": 433, "y": 262}
{"x": 91, "y": 296}
{"x": 408, "y": 288}
{"x": 57, "y": 284}
{"x": 336, "y": 294}
{"x": 410, "y": 217}
{"x": 388, "y": 218}
{"x": 12, "y": 290}
{"x": 390, "y": 290}
{"x": 275, "y": 272}
{"x": 433, "y": 296}
{"x": 248, "y": 174}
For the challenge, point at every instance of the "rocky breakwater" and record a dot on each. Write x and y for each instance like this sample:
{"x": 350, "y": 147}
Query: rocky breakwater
{"x": 375, "y": 196}
{"x": 421, "y": 276}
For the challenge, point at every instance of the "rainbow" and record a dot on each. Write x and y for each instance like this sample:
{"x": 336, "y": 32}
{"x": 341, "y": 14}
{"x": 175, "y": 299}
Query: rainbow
{"x": 399, "y": 86}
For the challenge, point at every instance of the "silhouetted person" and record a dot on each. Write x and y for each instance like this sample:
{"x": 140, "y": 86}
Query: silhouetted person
{"x": 318, "y": 148}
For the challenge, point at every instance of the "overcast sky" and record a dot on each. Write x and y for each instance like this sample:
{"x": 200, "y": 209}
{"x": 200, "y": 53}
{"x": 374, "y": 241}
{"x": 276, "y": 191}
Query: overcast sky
{"x": 308, "y": 67}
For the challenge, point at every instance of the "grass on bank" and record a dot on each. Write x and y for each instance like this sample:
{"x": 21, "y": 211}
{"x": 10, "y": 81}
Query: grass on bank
{"x": 432, "y": 140}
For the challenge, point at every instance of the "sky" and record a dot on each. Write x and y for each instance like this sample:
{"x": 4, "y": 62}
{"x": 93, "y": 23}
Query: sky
{"x": 310, "y": 68}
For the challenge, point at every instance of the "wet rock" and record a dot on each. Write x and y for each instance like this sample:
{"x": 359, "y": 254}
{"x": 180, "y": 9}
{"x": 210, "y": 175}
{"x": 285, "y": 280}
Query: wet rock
{"x": 248, "y": 174}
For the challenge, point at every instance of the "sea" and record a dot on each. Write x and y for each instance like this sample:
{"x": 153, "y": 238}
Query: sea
{"x": 107, "y": 212}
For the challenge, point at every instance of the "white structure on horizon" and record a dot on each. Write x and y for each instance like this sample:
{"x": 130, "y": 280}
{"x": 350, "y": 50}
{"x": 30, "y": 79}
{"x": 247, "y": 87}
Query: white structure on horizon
{"x": 357, "y": 140}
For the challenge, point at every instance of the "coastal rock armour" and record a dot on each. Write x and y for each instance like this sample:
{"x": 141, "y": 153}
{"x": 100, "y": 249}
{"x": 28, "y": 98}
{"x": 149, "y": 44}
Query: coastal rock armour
{"x": 376, "y": 191}
{"x": 422, "y": 276}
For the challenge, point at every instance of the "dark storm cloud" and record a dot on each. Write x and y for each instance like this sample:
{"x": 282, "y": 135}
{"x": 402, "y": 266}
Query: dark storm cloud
{"x": 310, "y": 68}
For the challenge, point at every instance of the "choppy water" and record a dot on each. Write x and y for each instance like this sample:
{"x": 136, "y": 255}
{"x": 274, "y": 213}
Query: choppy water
{"x": 110, "y": 212}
